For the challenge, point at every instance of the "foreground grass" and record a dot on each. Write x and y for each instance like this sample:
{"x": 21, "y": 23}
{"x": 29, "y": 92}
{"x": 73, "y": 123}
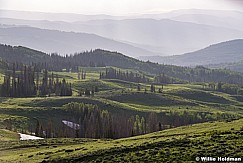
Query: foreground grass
{"x": 215, "y": 139}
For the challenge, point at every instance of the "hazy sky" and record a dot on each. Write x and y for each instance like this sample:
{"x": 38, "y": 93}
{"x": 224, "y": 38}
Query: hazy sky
{"x": 118, "y": 7}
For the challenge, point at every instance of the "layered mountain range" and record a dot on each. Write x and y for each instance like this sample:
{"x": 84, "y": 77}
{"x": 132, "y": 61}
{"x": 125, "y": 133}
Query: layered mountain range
{"x": 171, "y": 33}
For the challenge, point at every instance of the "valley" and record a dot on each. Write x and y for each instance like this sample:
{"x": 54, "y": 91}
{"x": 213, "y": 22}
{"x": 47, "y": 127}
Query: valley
{"x": 121, "y": 81}
{"x": 141, "y": 107}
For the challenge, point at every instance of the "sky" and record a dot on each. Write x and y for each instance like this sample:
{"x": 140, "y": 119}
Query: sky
{"x": 118, "y": 7}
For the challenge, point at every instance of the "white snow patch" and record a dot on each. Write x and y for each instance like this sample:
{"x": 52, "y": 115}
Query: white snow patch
{"x": 28, "y": 137}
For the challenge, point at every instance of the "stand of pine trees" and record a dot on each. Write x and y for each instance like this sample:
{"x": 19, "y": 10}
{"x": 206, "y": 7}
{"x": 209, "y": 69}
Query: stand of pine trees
{"x": 27, "y": 83}
{"x": 162, "y": 78}
{"x": 94, "y": 122}
{"x": 112, "y": 73}
{"x": 97, "y": 123}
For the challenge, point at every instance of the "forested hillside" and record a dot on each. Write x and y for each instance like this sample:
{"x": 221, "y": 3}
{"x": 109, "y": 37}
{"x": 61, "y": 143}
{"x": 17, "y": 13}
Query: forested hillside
{"x": 22, "y": 54}
{"x": 101, "y": 58}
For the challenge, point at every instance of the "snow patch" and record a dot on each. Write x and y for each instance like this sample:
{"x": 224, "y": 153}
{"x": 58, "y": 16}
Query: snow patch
{"x": 28, "y": 137}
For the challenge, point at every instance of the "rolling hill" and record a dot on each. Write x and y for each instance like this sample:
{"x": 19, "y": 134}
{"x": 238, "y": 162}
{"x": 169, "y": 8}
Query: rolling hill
{"x": 224, "y": 52}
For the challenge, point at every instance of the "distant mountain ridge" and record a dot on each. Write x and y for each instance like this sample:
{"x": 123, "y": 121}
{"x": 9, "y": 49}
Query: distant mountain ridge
{"x": 227, "y": 22}
{"x": 171, "y": 33}
{"x": 69, "y": 17}
{"x": 72, "y": 17}
{"x": 163, "y": 36}
{"x": 64, "y": 42}
{"x": 224, "y": 52}
{"x": 173, "y": 37}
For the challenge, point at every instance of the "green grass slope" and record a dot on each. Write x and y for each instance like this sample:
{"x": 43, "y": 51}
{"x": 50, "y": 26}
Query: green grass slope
{"x": 182, "y": 144}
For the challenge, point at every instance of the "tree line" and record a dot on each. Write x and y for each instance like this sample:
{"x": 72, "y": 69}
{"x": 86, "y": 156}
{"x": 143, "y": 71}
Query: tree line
{"x": 223, "y": 87}
{"x": 28, "y": 83}
{"x": 112, "y": 73}
{"x": 90, "y": 121}
{"x": 94, "y": 122}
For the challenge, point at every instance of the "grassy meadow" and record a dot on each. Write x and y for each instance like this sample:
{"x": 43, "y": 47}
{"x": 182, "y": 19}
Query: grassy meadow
{"x": 220, "y": 135}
